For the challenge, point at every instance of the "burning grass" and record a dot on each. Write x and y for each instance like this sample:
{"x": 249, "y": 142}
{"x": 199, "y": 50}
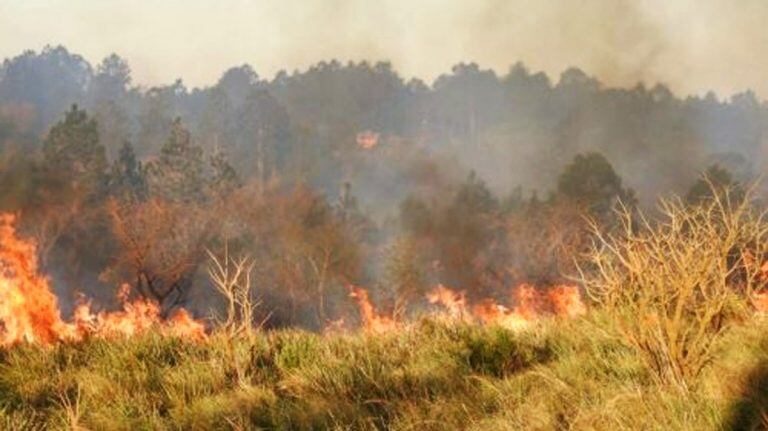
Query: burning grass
{"x": 539, "y": 360}
{"x": 29, "y": 310}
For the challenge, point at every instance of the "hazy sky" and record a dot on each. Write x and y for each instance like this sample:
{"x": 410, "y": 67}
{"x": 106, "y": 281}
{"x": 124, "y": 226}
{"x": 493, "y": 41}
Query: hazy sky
{"x": 693, "y": 45}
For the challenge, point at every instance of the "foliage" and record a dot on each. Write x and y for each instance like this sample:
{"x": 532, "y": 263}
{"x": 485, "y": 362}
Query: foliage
{"x": 590, "y": 179}
{"x": 72, "y": 150}
{"x": 177, "y": 174}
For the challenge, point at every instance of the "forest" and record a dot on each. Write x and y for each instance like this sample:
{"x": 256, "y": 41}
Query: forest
{"x": 344, "y": 248}
{"x": 340, "y": 174}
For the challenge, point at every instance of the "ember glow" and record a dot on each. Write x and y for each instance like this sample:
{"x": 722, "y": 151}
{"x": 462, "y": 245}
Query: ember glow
{"x": 29, "y": 310}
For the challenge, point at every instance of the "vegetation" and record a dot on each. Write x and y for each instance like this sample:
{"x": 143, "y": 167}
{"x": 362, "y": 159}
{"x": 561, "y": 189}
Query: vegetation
{"x": 673, "y": 286}
{"x": 259, "y": 205}
{"x": 563, "y": 375}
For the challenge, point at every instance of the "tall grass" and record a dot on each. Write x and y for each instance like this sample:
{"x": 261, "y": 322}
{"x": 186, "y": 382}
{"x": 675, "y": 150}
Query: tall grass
{"x": 432, "y": 375}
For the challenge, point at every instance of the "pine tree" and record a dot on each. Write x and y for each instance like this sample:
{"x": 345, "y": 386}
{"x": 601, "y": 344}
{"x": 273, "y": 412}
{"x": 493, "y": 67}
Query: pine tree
{"x": 72, "y": 151}
{"x": 126, "y": 177}
{"x": 177, "y": 173}
{"x": 224, "y": 178}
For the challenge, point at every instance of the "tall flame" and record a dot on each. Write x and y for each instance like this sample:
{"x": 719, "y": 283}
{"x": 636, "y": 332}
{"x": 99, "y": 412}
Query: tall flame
{"x": 29, "y": 310}
{"x": 372, "y": 320}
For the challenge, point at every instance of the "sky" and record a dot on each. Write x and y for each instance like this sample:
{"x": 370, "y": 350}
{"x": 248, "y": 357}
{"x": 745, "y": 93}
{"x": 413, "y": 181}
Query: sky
{"x": 691, "y": 45}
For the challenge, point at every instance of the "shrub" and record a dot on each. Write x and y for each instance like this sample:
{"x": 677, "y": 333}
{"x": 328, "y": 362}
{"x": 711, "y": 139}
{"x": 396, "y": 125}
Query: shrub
{"x": 671, "y": 286}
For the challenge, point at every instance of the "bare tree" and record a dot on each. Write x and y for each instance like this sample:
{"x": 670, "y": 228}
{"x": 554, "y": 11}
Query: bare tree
{"x": 161, "y": 247}
{"x": 231, "y": 276}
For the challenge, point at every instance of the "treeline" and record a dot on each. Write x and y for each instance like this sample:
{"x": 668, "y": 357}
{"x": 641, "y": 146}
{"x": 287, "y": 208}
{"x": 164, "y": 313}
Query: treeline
{"x": 519, "y": 128}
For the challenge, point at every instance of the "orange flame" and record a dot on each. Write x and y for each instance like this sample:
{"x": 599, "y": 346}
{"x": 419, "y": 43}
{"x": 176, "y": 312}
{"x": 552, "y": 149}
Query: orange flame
{"x": 566, "y": 301}
{"x": 372, "y": 321}
{"x": 530, "y": 304}
{"x": 454, "y": 302}
{"x": 29, "y": 310}
{"x": 491, "y": 313}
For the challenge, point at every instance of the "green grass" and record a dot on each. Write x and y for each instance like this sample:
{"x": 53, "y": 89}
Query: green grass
{"x": 431, "y": 376}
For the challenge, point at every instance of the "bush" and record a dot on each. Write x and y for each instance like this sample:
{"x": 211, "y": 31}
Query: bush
{"x": 672, "y": 286}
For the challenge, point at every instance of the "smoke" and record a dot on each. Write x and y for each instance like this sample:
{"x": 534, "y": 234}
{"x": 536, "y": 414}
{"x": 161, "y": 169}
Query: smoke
{"x": 693, "y": 46}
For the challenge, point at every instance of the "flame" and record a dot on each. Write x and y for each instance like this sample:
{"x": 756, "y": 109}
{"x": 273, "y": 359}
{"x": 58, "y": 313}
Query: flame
{"x": 137, "y": 317}
{"x": 29, "y": 310}
{"x": 335, "y": 326}
{"x": 372, "y": 321}
{"x": 454, "y": 302}
{"x": 758, "y": 299}
{"x": 566, "y": 301}
{"x": 491, "y": 313}
{"x": 530, "y": 304}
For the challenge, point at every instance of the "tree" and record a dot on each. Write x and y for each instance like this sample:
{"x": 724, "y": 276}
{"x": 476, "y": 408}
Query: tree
{"x": 264, "y": 131}
{"x": 403, "y": 273}
{"x": 112, "y": 78}
{"x": 72, "y": 150}
{"x": 714, "y": 181}
{"x": 161, "y": 247}
{"x": 224, "y": 178}
{"x": 178, "y": 172}
{"x": 466, "y": 229}
{"x": 590, "y": 180}
{"x": 126, "y": 178}
{"x": 49, "y": 81}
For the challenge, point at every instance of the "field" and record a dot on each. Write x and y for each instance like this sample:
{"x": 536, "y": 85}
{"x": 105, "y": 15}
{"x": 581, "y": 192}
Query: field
{"x": 433, "y": 374}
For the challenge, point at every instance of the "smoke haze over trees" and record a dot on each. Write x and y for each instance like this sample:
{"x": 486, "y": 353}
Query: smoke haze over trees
{"x": 330, "y": 175}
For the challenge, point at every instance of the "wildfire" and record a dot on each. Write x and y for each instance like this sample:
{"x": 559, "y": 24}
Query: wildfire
{"x": 29, "y": 311}
{"x": 530, "y": 304}
{"x": 372, "y": 321}
{"x": 454, "y": 302}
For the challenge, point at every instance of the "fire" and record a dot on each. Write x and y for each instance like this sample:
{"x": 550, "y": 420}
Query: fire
{"x": 29, "y": 311}
{"x": 566, "y": 301}
{"x": 454, "y": 302}
{"x": 530, "y": 305}
{"x": 490, "y": 313}
{"x": 372, "y": 321}
{"x": 137, "y": 317}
